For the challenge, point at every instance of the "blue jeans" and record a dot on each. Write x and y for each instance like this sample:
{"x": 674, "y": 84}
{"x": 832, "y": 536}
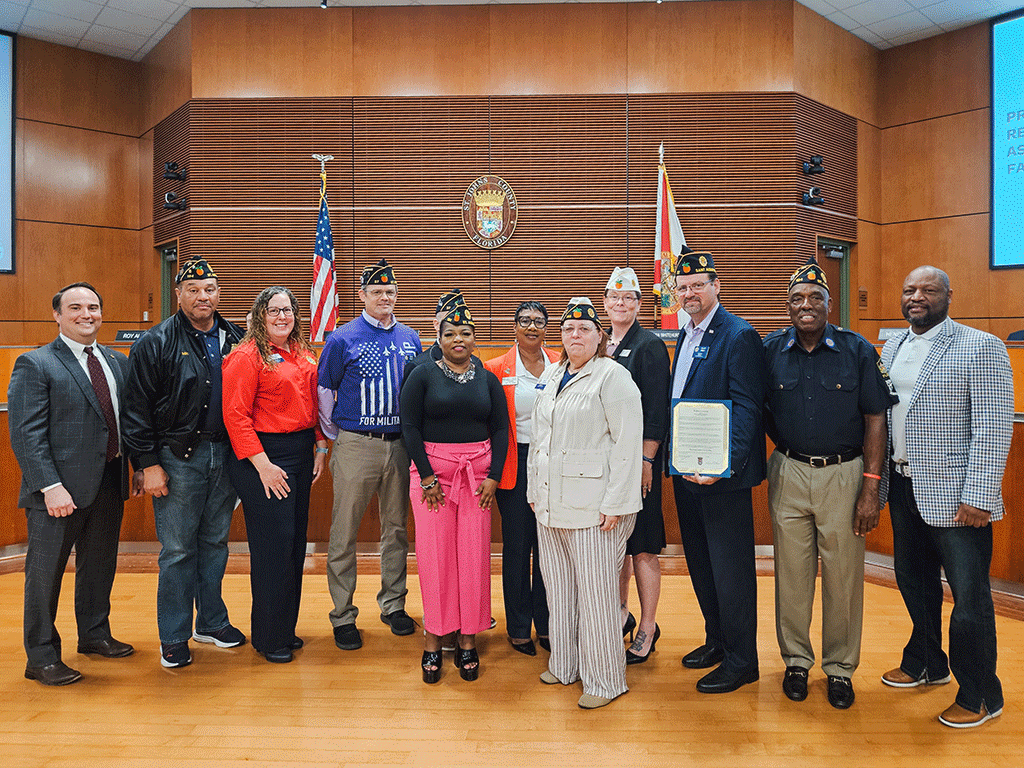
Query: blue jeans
{"x": 192, "y": 524}
{"x": 965, "y": 553}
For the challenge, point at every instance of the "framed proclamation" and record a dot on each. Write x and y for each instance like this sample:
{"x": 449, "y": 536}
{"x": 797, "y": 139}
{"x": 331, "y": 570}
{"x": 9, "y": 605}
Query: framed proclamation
{"x": 699, "y": 442}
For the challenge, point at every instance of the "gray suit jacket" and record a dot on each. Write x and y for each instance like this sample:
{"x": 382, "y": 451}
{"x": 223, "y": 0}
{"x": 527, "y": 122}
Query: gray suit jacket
{"x": 58, "y": 432}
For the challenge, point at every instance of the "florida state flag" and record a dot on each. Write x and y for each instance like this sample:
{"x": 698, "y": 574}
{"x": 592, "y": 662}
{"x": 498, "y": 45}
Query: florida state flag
{"x": 668, "y": 242}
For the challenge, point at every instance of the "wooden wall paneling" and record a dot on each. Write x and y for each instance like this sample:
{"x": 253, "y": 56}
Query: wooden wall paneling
{"x": 146, "y": 163}
{"x": 13, "y": 528}
{"x": 710, "y": 47}
{"x": 52, "y": 79}
{"x": 272, "y": 52}
{"x": 564, "y": 48}
{"x": 866, "y": 272}
{"x": 936, "y": 168}
{"x": 54, "y": 255}
{"x": 821, "y": 130}
{"x": 444, "y": 51}
{"x": 167, "y": 75}
{"x": 869, "y": 172}
{"x": 172, "y": 142}
{"x": 833, "y": 66}
{"x": 957, "y": 245}
{"x": 77, "y": 176}
{"x": 942, "y": 75}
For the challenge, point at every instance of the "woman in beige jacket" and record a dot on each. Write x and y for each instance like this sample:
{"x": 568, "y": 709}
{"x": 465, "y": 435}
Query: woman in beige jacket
{"x": 584, "y": 476}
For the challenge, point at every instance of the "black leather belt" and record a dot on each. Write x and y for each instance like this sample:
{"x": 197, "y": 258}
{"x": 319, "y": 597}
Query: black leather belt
{"x": 379, "y": 435}
{"x": 822, "y": 461}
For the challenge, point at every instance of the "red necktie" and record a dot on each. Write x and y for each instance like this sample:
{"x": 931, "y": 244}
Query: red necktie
{"x": 99, "y": 384}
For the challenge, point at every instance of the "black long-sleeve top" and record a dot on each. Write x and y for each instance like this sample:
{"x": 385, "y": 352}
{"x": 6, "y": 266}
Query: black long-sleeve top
{"x": 436, "y": 409}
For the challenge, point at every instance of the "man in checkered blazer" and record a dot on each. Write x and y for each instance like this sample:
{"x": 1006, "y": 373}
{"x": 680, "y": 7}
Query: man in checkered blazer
{"x": 950, "y": 436}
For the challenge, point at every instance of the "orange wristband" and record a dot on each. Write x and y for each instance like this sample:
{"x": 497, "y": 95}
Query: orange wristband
{"x": 873, "y": 477}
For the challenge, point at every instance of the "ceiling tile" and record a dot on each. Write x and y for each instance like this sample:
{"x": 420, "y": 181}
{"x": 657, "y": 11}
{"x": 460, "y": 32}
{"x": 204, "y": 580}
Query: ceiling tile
{"x": 11, "y": 16}
{"x": 117, "y": 38}
{"x": 73, "y": 9}
{"x": 843, "y": 20}
{"x": 50, "y": 35}
{"x": 908, "y": 23}
{"x": 154, "y": 9}
{"x": 59, "y": 24}
{"x": 876, "y": 10}
{"x": 129, "y": 22}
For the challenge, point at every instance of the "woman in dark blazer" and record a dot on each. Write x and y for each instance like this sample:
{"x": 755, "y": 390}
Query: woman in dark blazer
{"x": 646, "y": 358}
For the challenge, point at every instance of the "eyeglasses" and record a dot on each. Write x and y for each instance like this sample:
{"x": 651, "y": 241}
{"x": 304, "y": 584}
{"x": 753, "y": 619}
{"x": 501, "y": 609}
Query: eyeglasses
{"x": 693, "y": 287}
{"x": 277, "y": 311}
{"x": 628, "y": 299}
{"x": 525, "y": 322}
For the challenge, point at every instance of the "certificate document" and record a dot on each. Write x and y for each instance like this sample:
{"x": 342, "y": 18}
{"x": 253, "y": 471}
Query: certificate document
{"x": 700, "y": 438}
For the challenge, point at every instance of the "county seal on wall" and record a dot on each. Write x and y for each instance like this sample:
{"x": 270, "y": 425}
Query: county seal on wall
{"x": 489, "y": 211}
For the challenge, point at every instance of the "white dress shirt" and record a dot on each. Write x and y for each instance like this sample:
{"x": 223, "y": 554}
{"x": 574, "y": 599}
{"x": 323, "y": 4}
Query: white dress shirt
{"x": 694, "y": 334}
{"x": 906, "y": 367}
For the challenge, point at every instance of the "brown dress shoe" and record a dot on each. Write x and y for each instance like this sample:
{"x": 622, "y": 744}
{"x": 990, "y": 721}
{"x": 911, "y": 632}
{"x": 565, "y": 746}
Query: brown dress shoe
{"x": 57, "y": 673}
{"x": 897, "y": 678}
{"x": 108, "y": 647}
{"x": 958, "y": 717}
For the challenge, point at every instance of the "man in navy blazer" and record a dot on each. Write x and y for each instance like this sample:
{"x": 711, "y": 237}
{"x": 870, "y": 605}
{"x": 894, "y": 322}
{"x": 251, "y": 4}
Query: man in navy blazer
{"x": 721, "y": 357}
{"x": 63, "y": 405}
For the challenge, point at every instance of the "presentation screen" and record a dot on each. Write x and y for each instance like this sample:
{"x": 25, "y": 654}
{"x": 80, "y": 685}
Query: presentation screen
{"x": 1008, "y": 141}
{"x": 7, "y": 152}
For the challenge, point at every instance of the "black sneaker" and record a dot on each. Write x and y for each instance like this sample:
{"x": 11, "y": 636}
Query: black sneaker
{"x": 228, "y": 637}
{"x": 401, "y": 623}
{"x": 175, "y": 655}
{"x": 347, "y": 637}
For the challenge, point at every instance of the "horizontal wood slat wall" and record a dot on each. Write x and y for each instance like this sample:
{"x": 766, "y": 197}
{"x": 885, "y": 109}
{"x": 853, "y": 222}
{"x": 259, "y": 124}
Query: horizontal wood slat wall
{"x": 584, "y": 171}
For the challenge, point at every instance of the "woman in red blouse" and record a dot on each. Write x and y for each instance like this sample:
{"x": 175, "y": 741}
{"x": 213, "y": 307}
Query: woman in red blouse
{"x": 270, "y": 411}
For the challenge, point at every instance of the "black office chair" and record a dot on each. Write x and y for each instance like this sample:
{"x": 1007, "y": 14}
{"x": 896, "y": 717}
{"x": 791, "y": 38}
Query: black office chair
{"x": 1016, "y": 336}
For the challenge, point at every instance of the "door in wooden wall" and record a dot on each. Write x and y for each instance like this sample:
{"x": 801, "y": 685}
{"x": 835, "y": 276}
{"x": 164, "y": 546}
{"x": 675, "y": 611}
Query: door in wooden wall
{"x": 833, "y": 256}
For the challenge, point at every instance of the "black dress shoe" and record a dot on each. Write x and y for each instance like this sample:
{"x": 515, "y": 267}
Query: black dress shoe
{"x": 544, "y": 642}
{"x": 280, "y": 656}
{"x": 527, "y": 648}
{"x": 724, "y": 681}
{"x": 840, "y": 692}
{"x": 401, "y": 623}
{"x": 109, "y": 647}
{"x": 704, "y": 657}
{"x": 57, "y": 673}
{"x": 296, "y": 643}
{"x": 794, "y": 683}
{"x": 347, "y": 637}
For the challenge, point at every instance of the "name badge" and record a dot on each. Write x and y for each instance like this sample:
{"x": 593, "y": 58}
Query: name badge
{"x": 276, "y": 358}
{"x": 625, "y": 353}
{"x": 508, "y": 381}
{"x": 541, "y": 385}
{"x": 700, "y": 353}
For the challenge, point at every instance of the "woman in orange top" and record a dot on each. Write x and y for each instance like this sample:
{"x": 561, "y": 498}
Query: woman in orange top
{"x": 270, "y": 411}
{"x": 519, "y": 371}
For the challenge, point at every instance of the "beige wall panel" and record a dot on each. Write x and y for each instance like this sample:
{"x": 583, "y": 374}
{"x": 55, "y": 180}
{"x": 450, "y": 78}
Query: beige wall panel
{"x": 936, "y": 168}
{"x": 707, "y": 47}
{"x": 167, "y": 75}
{"x": 272, "y": 52}
{"x": 444, "y": 51}
{"x": 77, "y": 176}
{"x": 67, "y": 86}
{"x": 957, "y": 245}
{"x": 869, "y": 170}
{"x": 553, "y": 49}
{"x": 54, "y": 255}
{"x": 833, "y": 66}
{"x": 938, "y": 76}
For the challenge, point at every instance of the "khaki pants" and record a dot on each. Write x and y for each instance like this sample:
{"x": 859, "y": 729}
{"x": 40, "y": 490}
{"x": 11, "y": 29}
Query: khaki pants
{"x": 812, "y": 516}
{"x": 362, "y": 466}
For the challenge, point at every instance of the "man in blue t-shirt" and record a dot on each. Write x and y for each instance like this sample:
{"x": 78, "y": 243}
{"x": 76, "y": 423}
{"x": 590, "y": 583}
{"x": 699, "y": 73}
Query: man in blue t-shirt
{"x": 360, "y": 375}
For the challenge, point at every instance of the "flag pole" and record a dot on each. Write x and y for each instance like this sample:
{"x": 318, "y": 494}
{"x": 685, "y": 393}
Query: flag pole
{"x": 323, "y": 299}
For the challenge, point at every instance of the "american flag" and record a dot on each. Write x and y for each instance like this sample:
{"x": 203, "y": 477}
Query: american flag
{"x": 323, "y": 298}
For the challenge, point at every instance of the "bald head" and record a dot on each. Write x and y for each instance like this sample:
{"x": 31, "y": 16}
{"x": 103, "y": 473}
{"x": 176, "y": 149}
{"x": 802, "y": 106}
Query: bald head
{"x": 926, "y": 297}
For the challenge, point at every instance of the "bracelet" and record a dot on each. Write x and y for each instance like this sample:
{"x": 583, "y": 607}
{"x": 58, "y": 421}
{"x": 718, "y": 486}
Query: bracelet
{"x": 649, "y": 461}
{"x": 322, "y": 450}
{"x": 429, "y": 485}
{"x": 873, "y": 477}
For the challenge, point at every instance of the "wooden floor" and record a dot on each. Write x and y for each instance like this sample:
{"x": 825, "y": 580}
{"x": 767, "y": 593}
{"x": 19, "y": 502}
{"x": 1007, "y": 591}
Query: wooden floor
{"x": 369, "y": 707}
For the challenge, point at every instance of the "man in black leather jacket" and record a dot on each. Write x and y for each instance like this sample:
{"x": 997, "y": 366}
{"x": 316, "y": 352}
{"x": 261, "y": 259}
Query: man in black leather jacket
{"x": 174, "y": 430}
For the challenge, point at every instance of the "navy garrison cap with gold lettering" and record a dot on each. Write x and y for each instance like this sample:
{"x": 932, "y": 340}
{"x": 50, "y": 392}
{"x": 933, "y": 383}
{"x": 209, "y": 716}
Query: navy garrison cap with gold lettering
{"x": 809, "y": 273}
{"x": 197, "y": 269}
{"x": 695, "y": 263}
{"x": 459, "y": 314}
{"x": 581, "y": 308}
{"x": 447, "y": 301}
{"x": 380, "y": 273}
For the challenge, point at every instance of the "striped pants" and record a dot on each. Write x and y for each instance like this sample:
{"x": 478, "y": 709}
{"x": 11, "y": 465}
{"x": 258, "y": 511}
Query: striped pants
{"x": 581, "y": 573}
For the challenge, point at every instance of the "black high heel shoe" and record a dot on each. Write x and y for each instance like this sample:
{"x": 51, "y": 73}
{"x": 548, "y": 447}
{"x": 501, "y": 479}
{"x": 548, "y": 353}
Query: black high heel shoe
{"x": 431, "y": 659}
{"x": 636, "y": 658}
{"x": 463, "y": 658}
{"x": 629, "y": 626}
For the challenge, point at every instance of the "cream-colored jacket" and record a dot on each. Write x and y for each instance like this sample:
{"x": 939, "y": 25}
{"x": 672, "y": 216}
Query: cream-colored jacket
{"x": 586, "y": 449}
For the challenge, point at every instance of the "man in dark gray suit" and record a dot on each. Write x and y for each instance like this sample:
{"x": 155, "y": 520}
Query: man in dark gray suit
{"x": 63, "y": 409}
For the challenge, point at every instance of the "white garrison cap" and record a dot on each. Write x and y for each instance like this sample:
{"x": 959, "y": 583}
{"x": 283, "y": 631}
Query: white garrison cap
{"x": 623, "y": 279}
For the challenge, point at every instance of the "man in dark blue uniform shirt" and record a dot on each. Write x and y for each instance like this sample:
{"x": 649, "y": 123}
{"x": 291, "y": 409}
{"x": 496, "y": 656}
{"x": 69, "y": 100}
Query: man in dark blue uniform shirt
{"x": 828, "y": 394}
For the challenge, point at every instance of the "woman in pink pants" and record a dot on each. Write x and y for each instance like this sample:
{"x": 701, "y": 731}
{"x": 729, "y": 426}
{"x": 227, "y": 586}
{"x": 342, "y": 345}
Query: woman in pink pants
{"x": 455, "y": 425}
